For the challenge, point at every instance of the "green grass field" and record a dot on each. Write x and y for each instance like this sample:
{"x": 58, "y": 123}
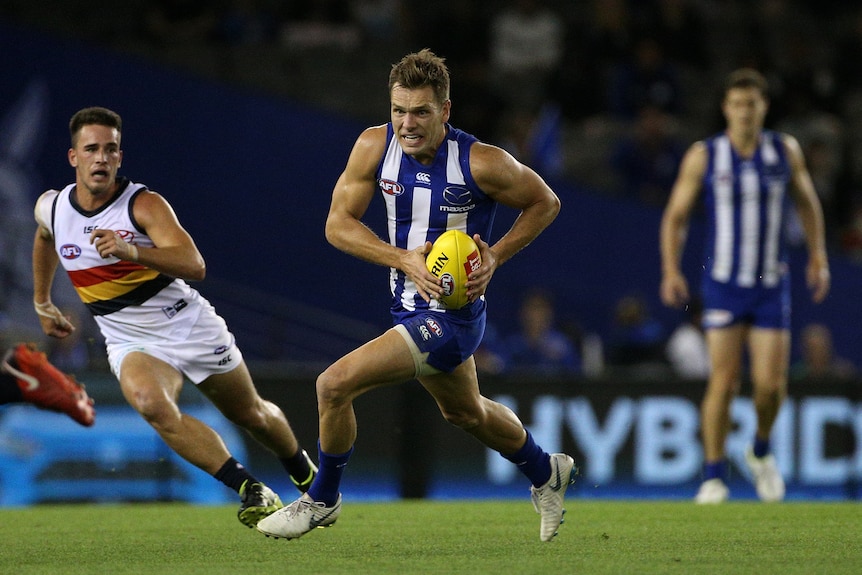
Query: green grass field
{"x": 470, "y": 537}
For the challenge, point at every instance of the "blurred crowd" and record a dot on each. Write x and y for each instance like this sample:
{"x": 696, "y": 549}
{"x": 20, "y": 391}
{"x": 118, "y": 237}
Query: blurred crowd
{"x": 608, "y": 93}
{"x": 637, "y": 347}
{"x": 632, "y": 82}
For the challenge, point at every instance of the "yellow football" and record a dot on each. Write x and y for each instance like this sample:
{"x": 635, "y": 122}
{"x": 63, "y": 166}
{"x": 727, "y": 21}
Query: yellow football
{"x": 453, "y": 256}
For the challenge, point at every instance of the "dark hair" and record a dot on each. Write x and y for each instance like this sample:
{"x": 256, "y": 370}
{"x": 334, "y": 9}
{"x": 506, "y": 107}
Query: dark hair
{"x": 747, "y": 78}
{"x": 94, "y": 115}
{"x": 420, "y": 69}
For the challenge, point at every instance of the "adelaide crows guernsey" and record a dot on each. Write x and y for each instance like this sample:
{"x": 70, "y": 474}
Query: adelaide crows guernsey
{"x": 746, "y": 204}
{"x": 129, "y": 301}
{"x": 423, "y": 201}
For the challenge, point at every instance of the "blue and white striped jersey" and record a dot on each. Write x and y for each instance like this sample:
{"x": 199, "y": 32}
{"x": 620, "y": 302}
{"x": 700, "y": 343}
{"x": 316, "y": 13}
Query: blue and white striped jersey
{"x": 746, "y": 204}
{"x": 423, "y": 201}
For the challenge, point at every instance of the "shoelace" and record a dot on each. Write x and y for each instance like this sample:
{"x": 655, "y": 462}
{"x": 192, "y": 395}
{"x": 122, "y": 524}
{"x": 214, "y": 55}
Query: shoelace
{"x": 298, "y": 507}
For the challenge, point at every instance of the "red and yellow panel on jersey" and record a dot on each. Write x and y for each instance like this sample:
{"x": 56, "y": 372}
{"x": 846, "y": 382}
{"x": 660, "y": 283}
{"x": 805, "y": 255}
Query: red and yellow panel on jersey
{"x": 106, "y": 289}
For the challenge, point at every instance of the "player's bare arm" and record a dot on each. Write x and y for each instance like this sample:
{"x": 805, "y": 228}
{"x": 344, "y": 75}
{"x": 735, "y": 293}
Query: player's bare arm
{"x": 811, "y": 215}
{"x": 673, "y": 232}
{"x": 351, "y": 196}
{"x": 45, "y": 262}
{"x": 517, "y": 186}
{"x": 174, "y": 254}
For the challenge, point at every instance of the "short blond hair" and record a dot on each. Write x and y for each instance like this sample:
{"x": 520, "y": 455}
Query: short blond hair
{"x": 420, "y": 69}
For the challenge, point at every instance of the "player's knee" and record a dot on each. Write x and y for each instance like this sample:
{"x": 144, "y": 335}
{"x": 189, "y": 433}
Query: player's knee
{"x": 723, "y": 388}
{"x": 253, "y": 420}
{"x": 155, "y": 409}
{"x": 768, "y": 391}
{"x": 460, "y": 417}
{"x": 332, "y": 387}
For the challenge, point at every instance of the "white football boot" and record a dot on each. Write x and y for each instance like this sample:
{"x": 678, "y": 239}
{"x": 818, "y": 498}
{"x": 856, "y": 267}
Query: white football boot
{"x": 548, "y": 499}
{"x": 767, "y": 477}
{"x": 299, "y": 518}
{"x": 712, "y": 491}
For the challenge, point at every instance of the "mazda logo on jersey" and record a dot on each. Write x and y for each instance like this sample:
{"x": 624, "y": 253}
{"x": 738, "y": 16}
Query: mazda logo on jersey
{"x": 457, "y": 196}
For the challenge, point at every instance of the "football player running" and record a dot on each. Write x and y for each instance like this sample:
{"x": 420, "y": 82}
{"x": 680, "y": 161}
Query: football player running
{"x": 128, "y": 258}
{"x": 432, "y": 178}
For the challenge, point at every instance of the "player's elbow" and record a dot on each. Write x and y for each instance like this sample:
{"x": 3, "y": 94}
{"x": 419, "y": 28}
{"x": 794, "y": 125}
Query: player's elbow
{"x": 334, "y": 233}
{"x": 554, "y": 205}
{"x": 197, "y": 271}
{"x": 329, "y": 232}
{"x": 547, "y": 208}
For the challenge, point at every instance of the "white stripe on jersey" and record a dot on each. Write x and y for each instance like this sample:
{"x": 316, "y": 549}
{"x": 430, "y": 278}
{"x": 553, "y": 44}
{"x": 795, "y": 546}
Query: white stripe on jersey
{"x": 749, "y": 248}
{"x": 421, "y": 212}
{"x": 723, "y": 185}
{"x": 457, "y": 222}
{"x": 416, "y": 237}
{"x": 389, "y": 171}
{"x": 771, "y": 267}
{"x": 767, "y": 152}
{"x": 453, "y": 164}
{"x": 454, "y": 175}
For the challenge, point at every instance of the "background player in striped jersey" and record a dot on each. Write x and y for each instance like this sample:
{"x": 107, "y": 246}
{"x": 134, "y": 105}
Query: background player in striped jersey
{"x": 749, "y": 177}
{"x": 128, "y": 257}
{"x": 432, "y": 177}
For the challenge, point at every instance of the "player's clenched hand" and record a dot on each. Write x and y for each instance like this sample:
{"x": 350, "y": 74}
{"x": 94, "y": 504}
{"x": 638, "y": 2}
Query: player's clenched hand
{"x": 818, "y": 279}
{"x": 413, "y": 265}
{"x": 674, "y": 290}
{"x": 53, "y": 322}
{"x": 477, "y": 281}
{"x": 109, "y": 243}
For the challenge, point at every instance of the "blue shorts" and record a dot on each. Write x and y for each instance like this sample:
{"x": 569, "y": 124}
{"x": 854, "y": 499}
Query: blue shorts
{"x": 725, "y": 305}
{"x": 448, "y": 338}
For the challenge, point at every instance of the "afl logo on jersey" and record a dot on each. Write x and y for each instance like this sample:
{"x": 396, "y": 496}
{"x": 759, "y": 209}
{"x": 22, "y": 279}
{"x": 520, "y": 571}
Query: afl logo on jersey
{"x": 390, "y": 187}
{"x": 70, "y": 252}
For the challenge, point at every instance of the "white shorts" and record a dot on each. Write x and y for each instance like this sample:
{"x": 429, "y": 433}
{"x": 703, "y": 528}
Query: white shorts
{"x": 209, "y": 349}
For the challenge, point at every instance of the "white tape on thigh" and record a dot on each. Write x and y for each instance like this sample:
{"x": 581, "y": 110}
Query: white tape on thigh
{"x": 419, "y": 358}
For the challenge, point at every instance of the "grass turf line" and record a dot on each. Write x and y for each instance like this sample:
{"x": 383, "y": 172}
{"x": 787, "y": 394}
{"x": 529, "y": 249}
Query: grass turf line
{"x": 453, "y": 537}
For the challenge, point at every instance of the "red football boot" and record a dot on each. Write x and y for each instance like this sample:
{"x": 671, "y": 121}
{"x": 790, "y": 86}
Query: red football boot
{"x": 47, "y": 387}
